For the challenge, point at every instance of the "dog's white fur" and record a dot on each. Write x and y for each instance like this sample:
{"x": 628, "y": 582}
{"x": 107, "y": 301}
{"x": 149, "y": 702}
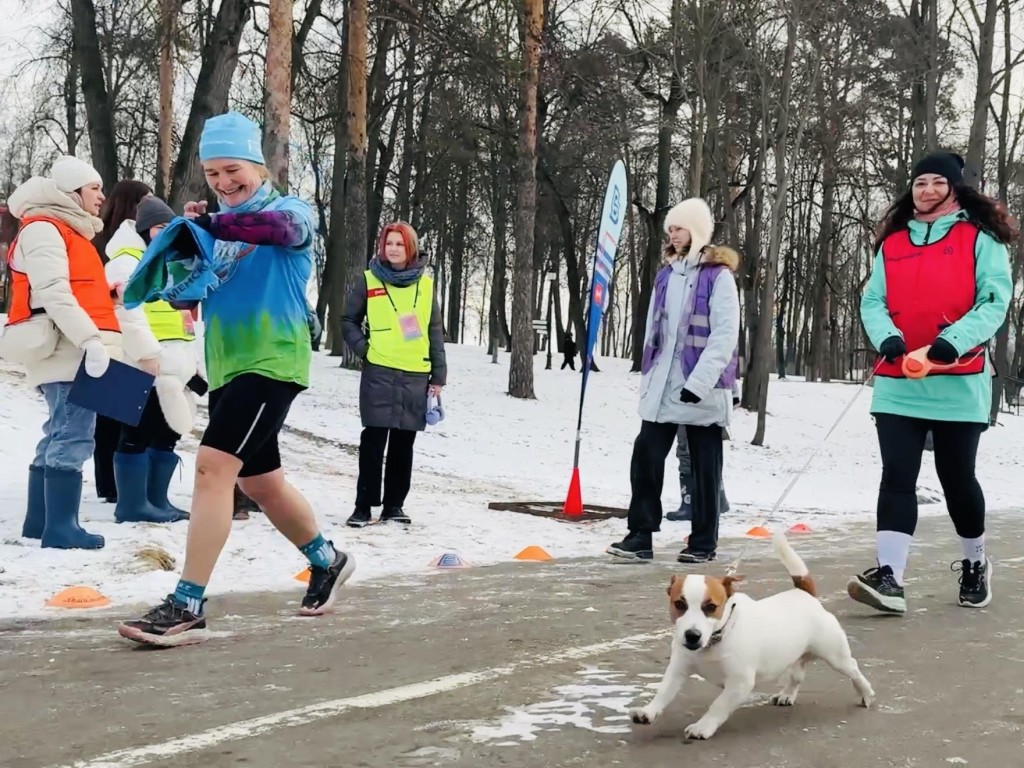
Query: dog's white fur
{"x": 762, "y": 640}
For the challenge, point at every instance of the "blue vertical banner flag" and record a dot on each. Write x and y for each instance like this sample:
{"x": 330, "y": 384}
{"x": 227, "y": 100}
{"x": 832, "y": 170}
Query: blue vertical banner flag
{"x": 613, "y": 215}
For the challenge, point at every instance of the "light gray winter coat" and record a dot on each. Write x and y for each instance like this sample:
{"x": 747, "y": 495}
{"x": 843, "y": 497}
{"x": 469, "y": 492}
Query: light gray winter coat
{"x": 660, "y": 387}
{"x": 388, "y": 397}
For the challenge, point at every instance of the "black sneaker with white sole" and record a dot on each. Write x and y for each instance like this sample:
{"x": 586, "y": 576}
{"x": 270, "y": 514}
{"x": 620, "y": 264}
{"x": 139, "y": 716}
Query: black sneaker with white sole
{"x": 636, "y": 546}
{"x": 692, "y": 556}
{"x": 394, "y": 515}
{"x": 168, "y": 624}
{"x": 877, "y": 587}
{"x": 975, "y": 582}
{"x": 359, "y": 518}
{"x": 324, "y": 584}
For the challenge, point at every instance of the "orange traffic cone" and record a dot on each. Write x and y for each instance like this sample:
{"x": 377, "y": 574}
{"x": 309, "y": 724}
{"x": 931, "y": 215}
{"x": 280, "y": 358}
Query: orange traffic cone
{"x": 574, "y": 500}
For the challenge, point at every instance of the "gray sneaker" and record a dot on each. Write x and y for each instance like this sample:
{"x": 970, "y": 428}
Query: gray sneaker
{"x": 877, "y": 587}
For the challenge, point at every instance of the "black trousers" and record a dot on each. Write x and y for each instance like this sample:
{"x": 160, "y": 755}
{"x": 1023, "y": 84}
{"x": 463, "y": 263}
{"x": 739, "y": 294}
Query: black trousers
{"x": 151, "y": 431}
{"x": 901, "y": 440}
{"x": 397, "y": 475}
{"x": 647, "y": 479}
{"x": 108, "y": 432}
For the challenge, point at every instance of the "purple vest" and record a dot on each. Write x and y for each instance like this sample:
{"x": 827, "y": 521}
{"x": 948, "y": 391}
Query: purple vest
{"x": 698, "y": 329}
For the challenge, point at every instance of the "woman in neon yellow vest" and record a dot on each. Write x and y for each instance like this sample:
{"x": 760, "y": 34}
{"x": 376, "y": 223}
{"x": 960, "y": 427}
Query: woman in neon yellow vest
{"x": 393, "y": 322}
{"x": 144, "y": 461}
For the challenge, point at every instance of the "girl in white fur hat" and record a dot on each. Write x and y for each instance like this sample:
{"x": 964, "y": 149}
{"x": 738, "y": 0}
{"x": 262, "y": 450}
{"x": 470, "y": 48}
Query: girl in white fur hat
{"x": 688, "y": 370}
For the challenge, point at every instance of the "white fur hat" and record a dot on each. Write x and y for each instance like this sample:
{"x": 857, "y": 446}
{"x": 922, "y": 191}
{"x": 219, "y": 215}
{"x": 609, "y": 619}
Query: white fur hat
{"x": 693, "y": 215}
{"x": 71, "y": 174}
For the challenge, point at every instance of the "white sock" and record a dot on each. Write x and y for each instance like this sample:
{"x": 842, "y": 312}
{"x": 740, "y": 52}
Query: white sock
{"x": 893, "y": 549}
{"x": 974, "y": 549}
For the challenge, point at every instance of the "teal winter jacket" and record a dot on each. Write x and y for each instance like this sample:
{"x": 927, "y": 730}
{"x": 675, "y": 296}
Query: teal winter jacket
{"x": 966, "y": 398}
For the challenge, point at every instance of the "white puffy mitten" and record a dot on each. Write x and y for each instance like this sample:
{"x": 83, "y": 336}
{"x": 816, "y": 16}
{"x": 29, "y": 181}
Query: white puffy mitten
{"x": 174, "y": 402}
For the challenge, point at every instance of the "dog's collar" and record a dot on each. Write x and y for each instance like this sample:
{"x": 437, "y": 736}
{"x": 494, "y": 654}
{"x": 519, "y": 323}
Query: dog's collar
{"x": 719, "y": 634}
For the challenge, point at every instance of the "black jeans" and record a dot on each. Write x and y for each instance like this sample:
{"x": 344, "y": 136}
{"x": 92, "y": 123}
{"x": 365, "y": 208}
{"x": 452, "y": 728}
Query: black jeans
{"x": 647, "y": 479}
{"x": 108, "y": 432}
{"x": 397, "y": 476}
{"x": 901, "y": 440}
{"x": 151, "y": 431}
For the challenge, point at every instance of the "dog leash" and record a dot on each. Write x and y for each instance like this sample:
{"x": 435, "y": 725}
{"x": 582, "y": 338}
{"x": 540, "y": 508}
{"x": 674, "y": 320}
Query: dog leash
{"x": 915, "y": 366}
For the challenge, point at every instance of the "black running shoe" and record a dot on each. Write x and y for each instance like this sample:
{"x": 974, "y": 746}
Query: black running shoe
{"x": 324, "y": 584}
{"x": 877, "y": 587}
{"x": 359, "y": 518}
{"x": 636, "y": 546}
{"x": 691, "y": 556}
{"x": 169, "y": 624}
{"x": 394, "y": 515}
{"x": 975, "y": 591}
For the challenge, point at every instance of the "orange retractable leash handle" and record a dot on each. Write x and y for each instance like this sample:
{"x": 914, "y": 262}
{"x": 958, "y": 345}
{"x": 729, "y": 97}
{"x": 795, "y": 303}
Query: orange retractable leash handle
{"x": 916, "y": 364}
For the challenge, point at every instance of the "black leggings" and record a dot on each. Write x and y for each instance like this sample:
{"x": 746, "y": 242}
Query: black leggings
{"x": 647, "y": 478}
{"x": 151, "y": 431}
{"x": 901, "y": 440}
{"x": 397, "y": 475}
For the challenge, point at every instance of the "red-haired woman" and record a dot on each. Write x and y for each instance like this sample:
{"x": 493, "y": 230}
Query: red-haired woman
{"x": 393, "y": 322}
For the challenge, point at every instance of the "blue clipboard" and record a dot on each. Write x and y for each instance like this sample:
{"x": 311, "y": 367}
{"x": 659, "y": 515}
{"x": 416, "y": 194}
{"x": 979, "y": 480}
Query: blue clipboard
{"x": 119, "y": 394}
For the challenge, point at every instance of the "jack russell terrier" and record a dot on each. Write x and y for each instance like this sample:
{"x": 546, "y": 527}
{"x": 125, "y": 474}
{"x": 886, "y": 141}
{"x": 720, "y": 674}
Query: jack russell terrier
{"x": 737, "y": 642}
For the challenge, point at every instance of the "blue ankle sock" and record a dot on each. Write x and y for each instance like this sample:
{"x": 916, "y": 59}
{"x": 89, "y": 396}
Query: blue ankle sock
{"x": 319, "y": 552}
{"x": 191, "y": 596}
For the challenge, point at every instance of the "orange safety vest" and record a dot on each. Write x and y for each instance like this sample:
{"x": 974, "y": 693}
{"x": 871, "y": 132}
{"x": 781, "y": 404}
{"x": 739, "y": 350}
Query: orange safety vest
{"x": 85, "y": 270}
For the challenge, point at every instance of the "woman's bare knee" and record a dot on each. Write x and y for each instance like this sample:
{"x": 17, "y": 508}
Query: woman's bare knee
{"x": 263, "y": 489}
{"x": 216, "y": 468}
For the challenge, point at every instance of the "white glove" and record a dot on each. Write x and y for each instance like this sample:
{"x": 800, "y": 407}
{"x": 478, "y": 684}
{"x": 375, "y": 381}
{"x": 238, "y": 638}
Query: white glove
{"x": 97, "y": 359}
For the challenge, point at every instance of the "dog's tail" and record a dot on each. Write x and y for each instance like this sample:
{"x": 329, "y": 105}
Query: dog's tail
{"x": 798, "y": 571}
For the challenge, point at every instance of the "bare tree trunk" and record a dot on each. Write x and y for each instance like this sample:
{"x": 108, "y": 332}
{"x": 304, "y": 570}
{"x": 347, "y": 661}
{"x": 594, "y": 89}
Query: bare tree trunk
{"x": 165, "y": 120}
{"x": 355, "y": 156}
{"x": 333, "y": 294}
{"x": 762, "y": 355}
{"x": 219, "y": 58}
{"x": 99, "y": 108}
{"x": 277, "y": 120}
{"x": 520, "y": 373}
{"x": 71, "y": 102}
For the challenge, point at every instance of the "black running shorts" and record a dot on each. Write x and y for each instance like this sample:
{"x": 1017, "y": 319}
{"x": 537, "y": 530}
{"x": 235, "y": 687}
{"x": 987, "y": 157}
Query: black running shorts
{"x": 246, "y": 415}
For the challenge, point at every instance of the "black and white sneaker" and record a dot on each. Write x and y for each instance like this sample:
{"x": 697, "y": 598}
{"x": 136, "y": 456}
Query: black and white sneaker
{"x": 169, "y": 624}
{"x": 636, "y": 546}
{"x": 324, "y": 584}
{"x": 877, "y": 587}
{"x": 975, "y": 578}
{"x": 691, "y": 556}
{"x": 359, "y": 518}
{"x": 394, "y": 515}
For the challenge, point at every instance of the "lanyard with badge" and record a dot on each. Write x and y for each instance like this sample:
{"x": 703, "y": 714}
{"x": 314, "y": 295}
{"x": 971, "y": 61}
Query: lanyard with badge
{"x": 408, "y": 322}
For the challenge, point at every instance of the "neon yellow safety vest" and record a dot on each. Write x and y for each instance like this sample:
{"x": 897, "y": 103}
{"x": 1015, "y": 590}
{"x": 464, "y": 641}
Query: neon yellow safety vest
{"x": 166, "y": 322}
{"x": 385, "y": 306}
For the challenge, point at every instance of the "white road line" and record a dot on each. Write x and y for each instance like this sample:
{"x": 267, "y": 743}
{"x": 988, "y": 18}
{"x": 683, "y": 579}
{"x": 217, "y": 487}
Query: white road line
{"x": 257, "y": 726}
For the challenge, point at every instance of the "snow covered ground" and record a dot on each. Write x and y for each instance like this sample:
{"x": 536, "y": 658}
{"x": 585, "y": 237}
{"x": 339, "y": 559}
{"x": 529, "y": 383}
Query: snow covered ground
{"x": 490, "y": 448}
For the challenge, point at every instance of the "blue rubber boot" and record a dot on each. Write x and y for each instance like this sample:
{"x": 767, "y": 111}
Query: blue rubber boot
{"x": 35, "y": 516}
{"x": 131, "y": 472}
{"x": 62, "y": 492}
{"x": 161, "y": 469}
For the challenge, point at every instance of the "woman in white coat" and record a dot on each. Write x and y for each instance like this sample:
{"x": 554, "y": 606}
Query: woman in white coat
{"x": 160, "y": 340}
{"x": 688, "y": 371}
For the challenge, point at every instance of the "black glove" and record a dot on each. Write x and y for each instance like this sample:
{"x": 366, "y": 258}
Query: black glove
{"x": 941, "y": 351}
{"x": 203, "y": 221}
{"x": 688, "y": 397}
{"x": 892, "y": 348}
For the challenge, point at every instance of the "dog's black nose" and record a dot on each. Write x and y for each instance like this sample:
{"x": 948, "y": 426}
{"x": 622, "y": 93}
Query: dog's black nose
{"x": 691, "y": 636}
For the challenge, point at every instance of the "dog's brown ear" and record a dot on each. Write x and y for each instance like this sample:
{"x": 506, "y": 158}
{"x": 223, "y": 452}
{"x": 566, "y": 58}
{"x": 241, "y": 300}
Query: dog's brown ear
{"x": 728, "y": 582}
{"x": 671, "y": 583}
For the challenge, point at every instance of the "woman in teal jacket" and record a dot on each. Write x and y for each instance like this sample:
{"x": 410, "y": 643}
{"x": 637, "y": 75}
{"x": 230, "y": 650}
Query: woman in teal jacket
{"x": 941, "y": 282}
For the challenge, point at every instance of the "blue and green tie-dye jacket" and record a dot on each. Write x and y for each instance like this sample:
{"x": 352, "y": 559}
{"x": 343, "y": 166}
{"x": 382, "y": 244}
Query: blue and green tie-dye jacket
{"x": 256, "y": 320}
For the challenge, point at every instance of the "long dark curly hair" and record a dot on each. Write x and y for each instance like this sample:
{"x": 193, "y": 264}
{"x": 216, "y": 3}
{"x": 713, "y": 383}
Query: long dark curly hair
{"x": 986, "y": 213}
{"x": 120, "y": 205}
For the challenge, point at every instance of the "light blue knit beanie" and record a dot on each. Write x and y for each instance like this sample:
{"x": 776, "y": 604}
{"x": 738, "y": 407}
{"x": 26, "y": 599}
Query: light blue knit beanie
{"x": 231, "y": 135}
